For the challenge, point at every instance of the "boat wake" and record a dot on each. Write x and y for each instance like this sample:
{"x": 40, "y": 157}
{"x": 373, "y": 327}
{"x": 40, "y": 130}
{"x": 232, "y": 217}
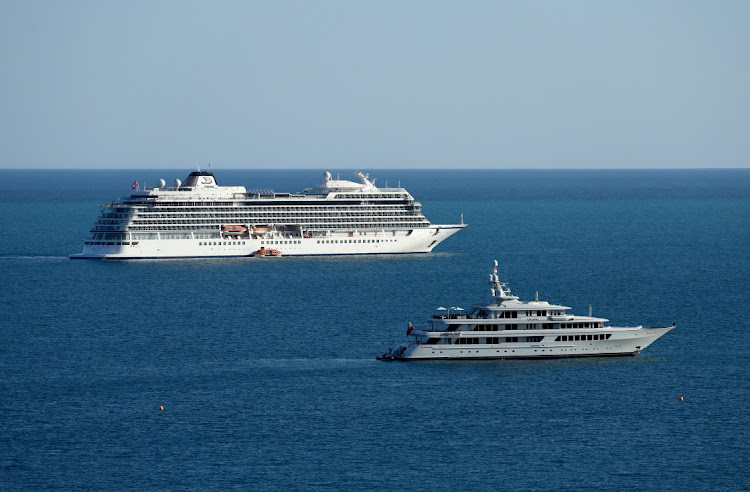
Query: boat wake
{"x": 33, "y": 258}
{"x": 308, "y": 363}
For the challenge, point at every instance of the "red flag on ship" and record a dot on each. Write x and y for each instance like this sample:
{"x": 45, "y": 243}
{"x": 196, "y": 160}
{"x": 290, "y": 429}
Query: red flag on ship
{"x": 135, "y": 184}
{"x": 410, "y": 329}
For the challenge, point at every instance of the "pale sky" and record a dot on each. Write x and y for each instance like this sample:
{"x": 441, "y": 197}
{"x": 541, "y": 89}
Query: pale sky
{"x": 374, "y": 84}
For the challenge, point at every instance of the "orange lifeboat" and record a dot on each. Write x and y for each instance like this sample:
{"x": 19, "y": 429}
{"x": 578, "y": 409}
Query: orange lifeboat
{"x": 263, "y": 252}
{"x": 235, "y": 228}
{"x": 260, "y": 228}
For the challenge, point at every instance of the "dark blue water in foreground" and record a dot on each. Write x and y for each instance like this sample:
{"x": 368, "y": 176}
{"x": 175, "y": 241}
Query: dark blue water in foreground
{"x": 266, "y": 369}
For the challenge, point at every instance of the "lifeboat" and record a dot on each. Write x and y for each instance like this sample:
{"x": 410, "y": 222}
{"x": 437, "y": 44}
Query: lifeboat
{"x": 260, "y": 228}
{"x": 267, "y": 252}
{"x": 235, "y": 228}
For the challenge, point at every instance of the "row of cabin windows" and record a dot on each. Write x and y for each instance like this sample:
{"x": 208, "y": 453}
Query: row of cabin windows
{"x": 585, "y": 324}
{"x": 515, "y": 326}
{"x": 255, "y": 214}
{"x": 578, "y": 338}
{"x": 110, "y": 243}
{"x": 260, "y": 217}
{"x": 489, "y": 340}
{"x": 225, "y": 207}
{"x": 156, "y": 213}
{"x": 280, "y": 242}
{"x": 514, "y": 314}
{"x": 370, "y": 197}
{"x": 120, "y": 237}
{"x": 221, "y": 243}
{"x": 264, "y": 210}
{"x": 336, "y": 241}
{"x": 495, "y": 327}
{"x": 153, "y": 235}
{"x": 536, "y": 326}
{"x": 267, "y": 210}
{"x": 291, "y": 220}
{"x": 535, "y": 339}
{"x": 315, "y": 225}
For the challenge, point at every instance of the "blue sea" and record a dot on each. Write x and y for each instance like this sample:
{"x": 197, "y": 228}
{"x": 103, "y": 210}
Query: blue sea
{"x": 266, "y": 370}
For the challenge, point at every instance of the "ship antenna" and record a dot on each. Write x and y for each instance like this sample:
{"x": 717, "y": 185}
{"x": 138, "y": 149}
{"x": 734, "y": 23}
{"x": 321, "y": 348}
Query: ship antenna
{"x": 590, "y": 311}
{"x": 496, "y": 290}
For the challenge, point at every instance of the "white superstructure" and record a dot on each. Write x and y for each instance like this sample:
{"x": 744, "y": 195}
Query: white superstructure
{"x": 199, "y": 218}
{"x": 507, "y": 328}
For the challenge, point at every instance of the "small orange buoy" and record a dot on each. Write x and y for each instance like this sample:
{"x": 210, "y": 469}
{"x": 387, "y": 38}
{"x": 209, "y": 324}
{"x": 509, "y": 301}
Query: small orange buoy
{"x": 681, "y": 398}
{"x": 161, "y": 408}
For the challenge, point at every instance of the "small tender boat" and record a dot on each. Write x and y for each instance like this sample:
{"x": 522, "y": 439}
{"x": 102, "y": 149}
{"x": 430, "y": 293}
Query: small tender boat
{"x": 267, "y": 252}
{"x": 386, "y": 357}
{"x": 260, "y": 228}
{"x": 507, "y": 328}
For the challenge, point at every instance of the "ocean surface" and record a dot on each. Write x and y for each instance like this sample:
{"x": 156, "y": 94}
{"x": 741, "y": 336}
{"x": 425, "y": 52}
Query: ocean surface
{"x": 266, "y": 370}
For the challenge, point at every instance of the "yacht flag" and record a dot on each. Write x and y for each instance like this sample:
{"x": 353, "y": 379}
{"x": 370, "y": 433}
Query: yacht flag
{"x": 410, "y": 329}
{"x": 135, "y": 184}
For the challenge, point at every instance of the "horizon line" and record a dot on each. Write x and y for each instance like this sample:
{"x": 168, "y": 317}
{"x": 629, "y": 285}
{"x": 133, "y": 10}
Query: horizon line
{"x": 383, "y": 168}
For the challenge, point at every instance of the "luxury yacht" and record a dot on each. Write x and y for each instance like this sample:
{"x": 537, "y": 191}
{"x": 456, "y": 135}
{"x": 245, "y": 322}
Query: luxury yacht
{"x": 507, "y": 328}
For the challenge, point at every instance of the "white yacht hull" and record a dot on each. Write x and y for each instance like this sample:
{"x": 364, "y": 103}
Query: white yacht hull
{"x": 623, "y": 341}
{"x": 421, "y": 240}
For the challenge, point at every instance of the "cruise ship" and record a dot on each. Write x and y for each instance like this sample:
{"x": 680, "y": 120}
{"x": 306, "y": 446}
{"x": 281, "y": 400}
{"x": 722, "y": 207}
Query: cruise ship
{"x": 200, "y": 219}
{"x": 506, "y": 328}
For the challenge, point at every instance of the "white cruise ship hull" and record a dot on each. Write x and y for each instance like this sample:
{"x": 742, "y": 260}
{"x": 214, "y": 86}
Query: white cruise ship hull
{"x": 421, "y": 240}
{"x": 623, "y": 341}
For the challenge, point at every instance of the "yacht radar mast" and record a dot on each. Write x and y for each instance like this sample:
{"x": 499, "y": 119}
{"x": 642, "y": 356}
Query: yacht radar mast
{"x": 499, "y": 290}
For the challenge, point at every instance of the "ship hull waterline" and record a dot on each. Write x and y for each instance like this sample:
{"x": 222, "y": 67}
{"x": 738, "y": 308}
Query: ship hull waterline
{"x": 624, "y": 343}
{"x": 422, "y": 240}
